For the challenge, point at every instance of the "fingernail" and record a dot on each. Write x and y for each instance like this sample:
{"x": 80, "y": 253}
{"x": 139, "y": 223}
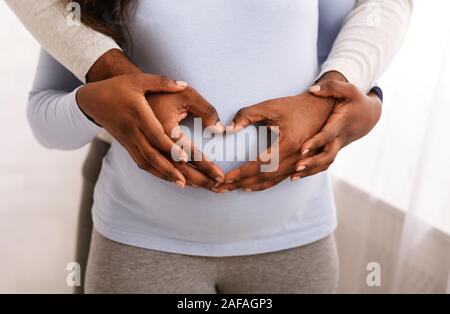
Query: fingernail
{"x": 301, "y": 168}
{"x": 224, "y": 191}
{"x": 180, "y": 183}
{"x": 314, "y": 89}
{"x": 217, "y": 184}
{"x": 295, "y": 179}
{"x": 305, "y": 151}
{"x": 229, "y": 181}
{"x": 194, "y": 186}
{"x": 219, "y": 179}
{"x": 182, "y": 83}
{"x": 247, "y": 190}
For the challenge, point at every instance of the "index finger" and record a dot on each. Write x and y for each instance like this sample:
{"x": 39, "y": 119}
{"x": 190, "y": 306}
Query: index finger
{"x": 201, "y": 161}
{"x": 265, "y": 159}
{"x": 201, "y": 108}
{"x": 154, "y": 132}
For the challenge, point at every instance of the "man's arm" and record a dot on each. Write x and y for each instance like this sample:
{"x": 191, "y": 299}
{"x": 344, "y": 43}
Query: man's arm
{"x": 368, "y": 41}
{"x": 75, "y": 47}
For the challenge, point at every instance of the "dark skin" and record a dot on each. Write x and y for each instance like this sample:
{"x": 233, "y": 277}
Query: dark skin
{"x": 117, "y": 99}
{"x": 353, "y": 117}
{"x": 313, "y": 149}
{"x": 171, "y": 109}
{"x": 317, "y": 140}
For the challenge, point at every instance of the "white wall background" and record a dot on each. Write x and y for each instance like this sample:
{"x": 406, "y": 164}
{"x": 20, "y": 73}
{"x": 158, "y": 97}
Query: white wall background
{"x": 405, "y": 160}
{"x": 39, "y": 188}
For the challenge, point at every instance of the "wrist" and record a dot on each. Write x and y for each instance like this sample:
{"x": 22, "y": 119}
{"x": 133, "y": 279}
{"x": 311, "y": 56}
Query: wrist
{"x": 110, "y": 64}
{"x": 81, "y": 100}
{"x": 332, "y": 76}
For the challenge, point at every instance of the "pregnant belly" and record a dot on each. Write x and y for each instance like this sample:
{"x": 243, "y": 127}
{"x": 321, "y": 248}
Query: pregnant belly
{"x": 235, "y": 53}
{"x": 142, "y": 203}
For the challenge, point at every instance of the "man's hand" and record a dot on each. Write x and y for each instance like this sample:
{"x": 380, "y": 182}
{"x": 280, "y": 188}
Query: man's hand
{"x": 171, "y": 109}
{"x": 298, "y": 118}
{"x": 354, "y": 116}
{"x": 119, "y": 105}
{"x": 126, "y": 115}
{"x": 110, "y": 64}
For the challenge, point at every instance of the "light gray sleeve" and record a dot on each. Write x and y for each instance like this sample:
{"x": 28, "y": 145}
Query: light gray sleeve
{"x": 74, "y": 45}
{"x": 369, "y": 39}
{"x": 53, "y": 112}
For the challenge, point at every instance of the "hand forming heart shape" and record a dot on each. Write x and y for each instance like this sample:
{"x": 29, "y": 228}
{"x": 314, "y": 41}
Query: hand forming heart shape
{"x": 297, "y": 118}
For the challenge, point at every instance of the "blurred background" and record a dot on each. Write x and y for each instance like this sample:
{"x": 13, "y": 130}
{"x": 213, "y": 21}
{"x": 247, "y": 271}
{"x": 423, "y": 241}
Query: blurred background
{"x": 392, "y": 187}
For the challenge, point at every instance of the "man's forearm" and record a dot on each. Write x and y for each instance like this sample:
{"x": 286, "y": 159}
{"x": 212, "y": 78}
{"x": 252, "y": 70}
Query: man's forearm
{"x": 369, "y": 40}
{"x": 332, "y": 76}
{"x": 110, "y": 64}
{"x": 75, "y": 47}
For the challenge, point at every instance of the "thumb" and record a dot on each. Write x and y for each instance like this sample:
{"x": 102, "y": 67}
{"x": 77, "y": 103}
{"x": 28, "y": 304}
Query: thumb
{"x": 156, "y": 84}
{"x": 246, "y": 116}
{"x": 335, "y": 89}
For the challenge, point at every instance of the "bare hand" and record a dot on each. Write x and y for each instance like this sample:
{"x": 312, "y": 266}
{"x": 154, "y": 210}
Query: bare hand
{"x": 297, "y": 118}
{"x": 120, "y": 106}
{"x": 353, "y": 117}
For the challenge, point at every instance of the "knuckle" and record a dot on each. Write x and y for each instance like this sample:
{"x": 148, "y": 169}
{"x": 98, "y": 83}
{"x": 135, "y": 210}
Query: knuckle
{"x": 134, "y": 113}
{"x": 210, "y": 112}
{"x": 124, "y": 128}
{"x": 164, "y": 81}
{"x": 263, "y": 186}
{"x": 150, "y": 157}
{"x": 242, "y": 112}
{"x": 261, "y": 179}
{"x": 354, "y": 89}
{"x": 331, "y": 85}
{"x": 207, "y": 183}
{"x": 157, "y": 139}
{"x": 330, "y": 161}
{"x": 142, "y": 165}
{"x": 189, "y": 93}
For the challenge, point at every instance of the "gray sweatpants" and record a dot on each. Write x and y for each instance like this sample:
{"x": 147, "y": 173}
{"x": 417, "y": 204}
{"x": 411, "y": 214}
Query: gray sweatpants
{"x": 117, "y": 268}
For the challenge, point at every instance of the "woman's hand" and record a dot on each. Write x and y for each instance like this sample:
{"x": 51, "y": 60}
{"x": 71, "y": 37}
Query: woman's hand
{"x": 171, "y": 109}
{"x": 297, "y": 118}
{"x": 120, "y": 106}
{"x": 353, "y": 117}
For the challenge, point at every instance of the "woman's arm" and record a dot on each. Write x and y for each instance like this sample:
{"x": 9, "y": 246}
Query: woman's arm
{"x": 369, "y": 40}
{"x": 76, "y": 47}
{"x": 57, "y": 107}
{"x": 53, "y": 112}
